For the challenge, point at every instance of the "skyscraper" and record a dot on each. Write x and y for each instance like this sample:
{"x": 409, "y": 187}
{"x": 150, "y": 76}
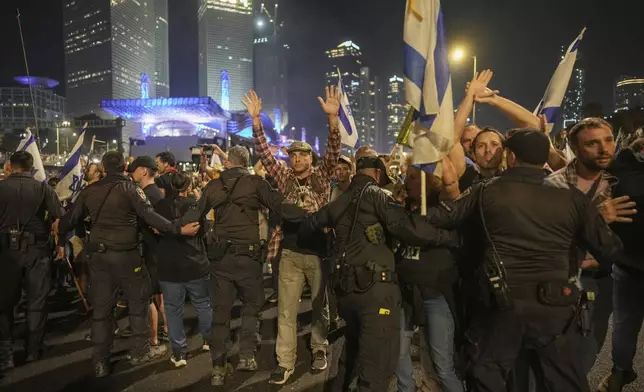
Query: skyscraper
{"x": 396, "y": 110}
{"x": 162, "y": 61}
{"x": 347, "y": 58}
{"x": 109, "y": 44}
{"x": 574, "y": 99}
{"x": 226, "y": 44}
{"x": 270, "y": 64}
{"x": 629, "y": 93}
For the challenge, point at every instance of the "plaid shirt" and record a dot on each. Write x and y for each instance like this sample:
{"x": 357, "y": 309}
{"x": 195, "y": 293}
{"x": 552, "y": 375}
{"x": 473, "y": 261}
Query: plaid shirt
{"x": 319, "y": 180}
{"x": 568, "y": 177}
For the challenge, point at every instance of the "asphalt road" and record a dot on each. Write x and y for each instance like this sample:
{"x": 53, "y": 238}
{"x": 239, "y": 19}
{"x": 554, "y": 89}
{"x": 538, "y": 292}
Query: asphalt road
{"x": 67, "y": 367}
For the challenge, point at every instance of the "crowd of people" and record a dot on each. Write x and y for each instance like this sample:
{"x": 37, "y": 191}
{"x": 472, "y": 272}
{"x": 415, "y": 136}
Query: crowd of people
{"x": 510, "y": 277}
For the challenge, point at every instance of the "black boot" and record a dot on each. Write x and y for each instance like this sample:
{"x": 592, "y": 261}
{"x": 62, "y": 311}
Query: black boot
{"x": 616, "y": 380}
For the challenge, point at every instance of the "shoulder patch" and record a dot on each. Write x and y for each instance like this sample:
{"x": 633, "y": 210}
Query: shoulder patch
{"x": 445, "y": 206}
{"x": 141, "y": 194}
{"x": 464, "y": 193}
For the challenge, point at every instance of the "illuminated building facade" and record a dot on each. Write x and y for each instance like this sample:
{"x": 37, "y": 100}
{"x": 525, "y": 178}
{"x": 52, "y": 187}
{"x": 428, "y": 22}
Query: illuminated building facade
{"x": 573, "y": 103}
{"x": 16, "y": 110}
{"x": 226, "y": 44}
{"x": 270, "y": 64}
{"x": 367, "y": 122}
{"x": 162, "y": 60}
{"x": 396, "y": 111}
{"x": 629, "y": 93}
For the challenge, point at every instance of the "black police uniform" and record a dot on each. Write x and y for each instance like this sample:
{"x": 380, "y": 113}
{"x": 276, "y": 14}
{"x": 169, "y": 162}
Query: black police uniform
{"x": 28, "y": 206}
{"x": 532, "y": 225}
{"x": 114, "y": 205}
{"x": 369, "y": 298}
{"x": 236, "y": 252}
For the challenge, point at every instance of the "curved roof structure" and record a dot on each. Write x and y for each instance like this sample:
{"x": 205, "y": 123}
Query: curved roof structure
{"x": 36, "y": 81}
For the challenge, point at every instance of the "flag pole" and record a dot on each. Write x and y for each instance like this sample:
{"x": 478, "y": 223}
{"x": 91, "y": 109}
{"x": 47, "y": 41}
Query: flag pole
{"x": 31, "y": 91}
{"x": 423, "y": 193}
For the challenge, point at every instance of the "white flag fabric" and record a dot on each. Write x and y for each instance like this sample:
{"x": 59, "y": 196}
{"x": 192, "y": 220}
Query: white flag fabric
{"x": 428, "y": 83}
{"x": 348, "y": 130}
{"x": 71, "y": 176}
{"x": 554, "y": 96}
{"x": 29, "y": 144}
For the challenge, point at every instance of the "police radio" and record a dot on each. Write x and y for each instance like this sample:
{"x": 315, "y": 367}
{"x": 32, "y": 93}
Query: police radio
{"x": 494, "y": 270}
{"x": 14, "y": 239}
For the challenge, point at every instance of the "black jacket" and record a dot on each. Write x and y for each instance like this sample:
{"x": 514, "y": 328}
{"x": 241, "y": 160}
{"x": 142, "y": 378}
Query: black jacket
{"x": 180, "y": 259}
{"x": 22, "y": 199}
{"x": 376, "y": 207}
{"x": 237, "y": 206}
{"x": 117, "y": 226}
{"x": 630, "y": 173}
{"x": 533, "y": 224}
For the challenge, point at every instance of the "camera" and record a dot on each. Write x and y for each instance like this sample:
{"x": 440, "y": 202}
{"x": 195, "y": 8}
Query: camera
{"x": 498, "y": 287}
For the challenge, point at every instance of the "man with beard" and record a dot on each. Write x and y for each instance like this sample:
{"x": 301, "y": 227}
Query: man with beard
{"x": 165, "y": 162}
{"x": 343, "y": 171}
{"x": 593, "y": 143}
{"x": 308, "y": 187}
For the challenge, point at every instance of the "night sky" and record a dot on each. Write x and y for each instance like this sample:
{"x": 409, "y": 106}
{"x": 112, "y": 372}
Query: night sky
{"x": 519, "y": 40}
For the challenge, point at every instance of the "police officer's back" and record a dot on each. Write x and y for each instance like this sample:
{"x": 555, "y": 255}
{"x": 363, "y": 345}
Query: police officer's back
{"x": 364, "y": 218}
{"x": 530, "y": 225}
{"x": 114, "y": 205}
{"x": 235, "y": 249}
{"x": 27, "y": 209}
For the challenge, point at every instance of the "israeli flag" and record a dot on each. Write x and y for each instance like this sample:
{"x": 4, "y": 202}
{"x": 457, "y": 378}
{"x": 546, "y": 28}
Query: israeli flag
{"x": 551, "y": 102}
{"x": 348, "y": 130}
{"x": 71, "y": 177}
{"x": 428, "y": 84}
{"x": 29, "y": 144}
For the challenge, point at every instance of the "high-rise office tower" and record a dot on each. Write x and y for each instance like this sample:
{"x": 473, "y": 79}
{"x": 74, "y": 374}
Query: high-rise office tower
{"x": 270, "y": 64}
{"x": 574, "y": 99}
{"x": 162, "y": 61}
{"x": 629, "y": 93}
{"x": 109, "y": 44}
{"x": 226, "y": 44}
{"x": 347, "y": 58}
{"x": 396, "y": 110}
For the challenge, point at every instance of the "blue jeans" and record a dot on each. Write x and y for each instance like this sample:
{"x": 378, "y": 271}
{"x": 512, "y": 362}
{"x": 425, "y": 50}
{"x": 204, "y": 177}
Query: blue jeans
{"x": 439, "y": 328}
{"x": 628, "y": 314}
{"x": 174, "y": 296}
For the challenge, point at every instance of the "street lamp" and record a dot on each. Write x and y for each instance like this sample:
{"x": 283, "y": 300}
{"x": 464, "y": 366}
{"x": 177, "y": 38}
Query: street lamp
{"x": 74, "y": 134}
{"x": 457, "y": 55}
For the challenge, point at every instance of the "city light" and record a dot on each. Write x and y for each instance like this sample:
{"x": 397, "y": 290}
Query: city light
{"x": 114, "y": 141}
{"x": 259, "y": 23}
{"x": 458, "y": 54}
{"x": 74, "y": 134}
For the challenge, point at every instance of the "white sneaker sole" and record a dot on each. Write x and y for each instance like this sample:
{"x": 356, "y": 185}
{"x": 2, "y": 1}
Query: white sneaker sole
{"x": 179, "y": 363}
{"x": 283, "y": 381}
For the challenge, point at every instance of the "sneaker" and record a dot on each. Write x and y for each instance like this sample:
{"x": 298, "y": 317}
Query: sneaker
{"x": 155, "y": 352}
{"x": 205, "y": 346}
{"x": 319, "y": 362}
{"x": 247, "y": 365}
{"x": 272, "y": 299}
{"x": 220, "y": 374}
{"x": 280, "y": 376}
{"x": 179, "y": 359}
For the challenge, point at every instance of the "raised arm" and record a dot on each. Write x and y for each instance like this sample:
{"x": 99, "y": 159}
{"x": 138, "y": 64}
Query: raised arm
{"x": 331, "y": 107}
{"x": 273, "y": 168}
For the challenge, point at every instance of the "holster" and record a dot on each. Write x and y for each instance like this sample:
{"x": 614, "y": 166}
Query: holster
{"x": 216, "y": 248}
{"x": 359, "y": 279}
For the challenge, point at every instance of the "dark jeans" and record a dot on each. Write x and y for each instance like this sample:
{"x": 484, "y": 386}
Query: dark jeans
{"x": 372, "y": 338}
{"x": 628, "y": 315}
{"x": 232, "y": 275}
{"x": 600, "y": 311}
{"x": 174, "y": 294}
{"x": 29, "y": 270}
{"x": 495, "y": 340}
{"x": 109, "y": 272}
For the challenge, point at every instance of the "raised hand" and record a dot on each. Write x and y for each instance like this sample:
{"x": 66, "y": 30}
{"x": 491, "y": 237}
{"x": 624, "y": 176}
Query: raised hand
{"x": 191, "y": 229}
{"x": 617, "y": 210}
{"x": 253, "y": 104}
{"x": 479, "y": 83}
{"x": 331, "y": 106}
{"x": 543, "y": 125}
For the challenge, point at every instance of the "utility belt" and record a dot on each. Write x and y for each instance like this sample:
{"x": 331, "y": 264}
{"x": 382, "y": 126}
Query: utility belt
{"x": 594, "y": 273}
{"x": 217, "y": 248}
{"x": 20, "y": 241}
{"x": 347, "y": 278}
{"x": 101, "y": 247}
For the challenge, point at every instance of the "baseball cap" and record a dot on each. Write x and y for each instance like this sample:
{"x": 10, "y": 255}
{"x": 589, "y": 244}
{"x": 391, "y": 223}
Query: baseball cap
{"x": 530, "y": 146}
{"x": 142, "y": 161}
{"x": 299, "y": 146}
{"x": 346, "y": 160}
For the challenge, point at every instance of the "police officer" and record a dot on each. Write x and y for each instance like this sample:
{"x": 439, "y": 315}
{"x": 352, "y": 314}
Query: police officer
{"x": 369, "y": 298}
{"x": 235, "y": 250}
{"x": 27, "y": 209}
{"x": 114, "y": 205}
{"x": 529, "y": 224}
